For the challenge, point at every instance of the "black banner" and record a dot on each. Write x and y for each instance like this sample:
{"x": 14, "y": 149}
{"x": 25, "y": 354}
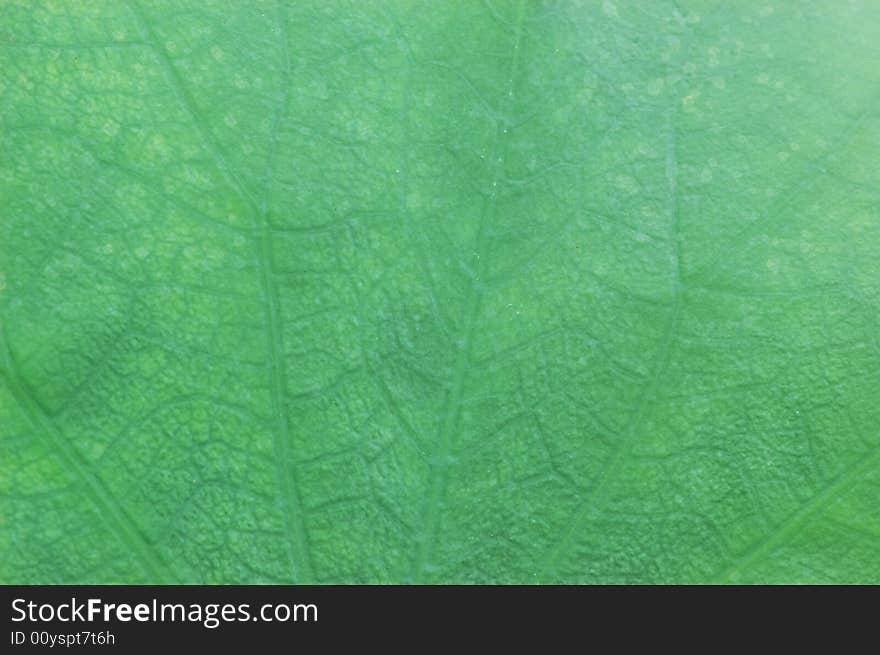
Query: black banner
{"x": 132, "y": 618}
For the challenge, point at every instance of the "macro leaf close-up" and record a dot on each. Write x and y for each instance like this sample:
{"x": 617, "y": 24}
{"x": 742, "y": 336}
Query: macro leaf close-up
{"x": 439, "y": 292}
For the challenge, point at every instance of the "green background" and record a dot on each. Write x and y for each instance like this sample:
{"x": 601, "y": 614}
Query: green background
{"x": 439, "y": 292}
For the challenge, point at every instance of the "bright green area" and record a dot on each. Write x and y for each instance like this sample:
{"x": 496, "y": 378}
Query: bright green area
{"x": 439, "y": 292}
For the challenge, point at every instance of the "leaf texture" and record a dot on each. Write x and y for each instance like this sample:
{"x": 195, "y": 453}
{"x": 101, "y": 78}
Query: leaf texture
{"x": 445, "y": 292}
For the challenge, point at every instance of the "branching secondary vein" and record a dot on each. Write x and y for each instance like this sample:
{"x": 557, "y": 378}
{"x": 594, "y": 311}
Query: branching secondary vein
{"x": 292, "y": 509}
{"x": 450, "y": 422}
{"x": 648, "y": 394}
{"x": 109, "y": 509}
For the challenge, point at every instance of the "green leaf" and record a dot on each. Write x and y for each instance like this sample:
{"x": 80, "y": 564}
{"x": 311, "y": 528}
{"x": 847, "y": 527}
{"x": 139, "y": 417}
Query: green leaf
{"x": 439, "y": 292}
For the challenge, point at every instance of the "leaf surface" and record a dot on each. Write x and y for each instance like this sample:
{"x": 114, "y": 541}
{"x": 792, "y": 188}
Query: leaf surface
{"x": 442, "y": 292}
